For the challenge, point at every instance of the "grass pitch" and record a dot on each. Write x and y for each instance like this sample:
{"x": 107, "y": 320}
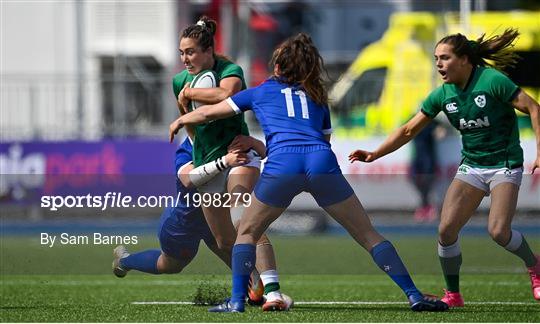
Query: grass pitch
{"x": 329, "y": 277}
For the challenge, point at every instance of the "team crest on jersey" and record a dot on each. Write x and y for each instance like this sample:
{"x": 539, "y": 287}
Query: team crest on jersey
{"x": 451, "y": 108}
{"x": 463, "y": 169}
{"x": 480, "y": 101}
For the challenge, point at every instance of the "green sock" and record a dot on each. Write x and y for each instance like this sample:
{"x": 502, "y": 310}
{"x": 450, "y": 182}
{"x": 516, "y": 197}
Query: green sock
{"x": 450, "y": 267}
{"x": 519, "y": 246}
{"x": 273, "y": 286}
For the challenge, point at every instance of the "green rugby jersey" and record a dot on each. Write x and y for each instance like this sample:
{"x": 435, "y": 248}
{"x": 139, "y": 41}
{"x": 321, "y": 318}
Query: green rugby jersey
{"x": 212, "y": 139}
{"x": 484, "y": 116}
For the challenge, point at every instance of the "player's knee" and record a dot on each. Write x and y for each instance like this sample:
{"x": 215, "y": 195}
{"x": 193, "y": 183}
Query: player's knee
{"x": 225, "y": 245}
{"x": 264, "y": 240}
{"x": 169, "y": 265}
{"x": 173, "y": 269}
{"x": 499, "y": 234}
{"x": 447, "y": 234}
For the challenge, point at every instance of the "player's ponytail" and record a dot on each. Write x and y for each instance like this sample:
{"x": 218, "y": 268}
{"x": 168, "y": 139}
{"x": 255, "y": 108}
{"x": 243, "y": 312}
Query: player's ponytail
{"x": 203, "y": 32}
{"x": 495, "y": 51}
{"x": 299, "y": 62}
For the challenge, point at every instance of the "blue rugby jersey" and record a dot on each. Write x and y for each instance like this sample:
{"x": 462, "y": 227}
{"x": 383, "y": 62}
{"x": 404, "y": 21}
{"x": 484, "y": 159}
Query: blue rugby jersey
{"x": 286, "y": 114}
{"x": 183, "y": 155}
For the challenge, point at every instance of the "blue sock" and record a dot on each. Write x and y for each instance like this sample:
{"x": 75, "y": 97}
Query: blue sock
{"x": 243, "y": 263}
{"x": 145, "y": 261}
{"x": 385, "y": 256}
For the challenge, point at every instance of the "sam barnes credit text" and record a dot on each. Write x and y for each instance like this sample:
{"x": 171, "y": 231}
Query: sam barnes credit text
{"x": 95, "y": 238}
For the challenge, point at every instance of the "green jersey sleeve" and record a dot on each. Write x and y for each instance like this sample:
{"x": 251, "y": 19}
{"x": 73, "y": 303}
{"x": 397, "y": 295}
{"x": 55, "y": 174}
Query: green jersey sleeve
{"x": 502, "y": 87}
{"x": 178, "y": 82}
{"x": 232, "y": 70}
{"x": 432, "y": 105}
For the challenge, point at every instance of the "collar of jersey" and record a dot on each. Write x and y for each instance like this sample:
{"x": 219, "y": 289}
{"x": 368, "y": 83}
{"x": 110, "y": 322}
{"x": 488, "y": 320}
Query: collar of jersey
{"x": 472, "y": 76}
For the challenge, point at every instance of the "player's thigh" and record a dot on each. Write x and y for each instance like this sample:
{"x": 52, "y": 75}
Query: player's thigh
{"x": 220, "y": 224}
{"x": 256, "y": 220}
{"x": 460, "y": 202}
{"x": 504, "y": 198}
{"x": 324, "y": 179}
{"x": 179, "y": 244}
{"x": 242, "y": 180}
{"x": 351, "y": 215}
{"x": 282, "y": 179}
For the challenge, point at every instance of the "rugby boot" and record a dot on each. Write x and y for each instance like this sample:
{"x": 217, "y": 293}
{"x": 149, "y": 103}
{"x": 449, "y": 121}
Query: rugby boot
{"x": 255, "y": 293}
{"x": 119, "y": 252}
{"x": 228, "y": 307}
{"x": 453, "y": 299}
{"x": 426, "y": 303}
{"x": 534, "y": 273}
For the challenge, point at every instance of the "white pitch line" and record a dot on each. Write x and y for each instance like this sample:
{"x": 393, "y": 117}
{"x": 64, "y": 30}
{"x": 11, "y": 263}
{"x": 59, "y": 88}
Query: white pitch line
{"x": 337, "y": 303}
{"x": 157, "y": 282}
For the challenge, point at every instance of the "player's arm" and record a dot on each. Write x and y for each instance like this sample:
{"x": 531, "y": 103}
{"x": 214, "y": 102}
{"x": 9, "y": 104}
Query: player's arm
{"x": 397, "y": 139}
{"x": 527, "y": 105}
{"x": 194, "y": 177}
{"x": 244, "y": 143}
{"x": 227, "y": 87}
{"x": 201, "y": 115}
{"x": 182, "y": 108}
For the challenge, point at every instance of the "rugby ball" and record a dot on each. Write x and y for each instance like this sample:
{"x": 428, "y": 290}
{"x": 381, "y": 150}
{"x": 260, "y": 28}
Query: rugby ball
{"x": 205, "y": 79}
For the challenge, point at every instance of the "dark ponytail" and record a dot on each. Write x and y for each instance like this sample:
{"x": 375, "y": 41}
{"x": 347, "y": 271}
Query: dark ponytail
{"x": 203, "y": 32}
{"x": 497, "y": 49}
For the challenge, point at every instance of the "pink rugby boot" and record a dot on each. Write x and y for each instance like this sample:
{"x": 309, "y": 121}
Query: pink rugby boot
{"x": 534, "y": 272}
{"x": 453, "y": 299}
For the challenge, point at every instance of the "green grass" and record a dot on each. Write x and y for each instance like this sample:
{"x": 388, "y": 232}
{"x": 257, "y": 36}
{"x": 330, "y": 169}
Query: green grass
{"x": 74, "y": 284}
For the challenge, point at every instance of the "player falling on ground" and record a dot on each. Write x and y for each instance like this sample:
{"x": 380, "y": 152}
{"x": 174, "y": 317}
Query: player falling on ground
{"x": 292, "y": 108}
{"x": 182, "y": 227}
{"x": 211, "y": 142}
{"x": 479, "y": 101}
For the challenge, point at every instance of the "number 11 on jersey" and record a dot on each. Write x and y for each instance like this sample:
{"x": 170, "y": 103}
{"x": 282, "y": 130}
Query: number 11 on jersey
{"x": 290, "y": 107}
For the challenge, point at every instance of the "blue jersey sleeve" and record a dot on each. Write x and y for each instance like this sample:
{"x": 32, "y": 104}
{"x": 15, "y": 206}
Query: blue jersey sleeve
{"x": 241, "y": 101}
{"x": 183, "y": 154}
{"x": 327, "y": 124}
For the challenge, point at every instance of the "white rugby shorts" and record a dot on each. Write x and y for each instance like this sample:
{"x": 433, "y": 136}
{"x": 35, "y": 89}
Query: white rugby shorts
{"x": 487, "y": 179}
{"x": 219, "y": 183}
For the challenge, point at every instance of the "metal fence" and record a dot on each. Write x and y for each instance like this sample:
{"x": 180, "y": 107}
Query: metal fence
{"x": 64, "y": 107}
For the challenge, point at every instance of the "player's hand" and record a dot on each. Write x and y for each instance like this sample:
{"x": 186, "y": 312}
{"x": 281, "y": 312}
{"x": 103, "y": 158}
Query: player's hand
{"x": 362, "y": 156}
{"x": 241, "y": 143}
{"x": 183, "y": 101}
{"x": 174, "y": 128}
{"x": 236, "y": 158}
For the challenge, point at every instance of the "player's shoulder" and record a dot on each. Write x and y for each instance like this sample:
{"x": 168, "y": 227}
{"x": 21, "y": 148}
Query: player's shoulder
{"x": 489, "y": 75}
{"x": 181, "y": 77}
{"x": 272, "y": 82}
{"x": 440, "y": 91}
{"x": 224, "y": 64}
{"x": 489, "y": 72}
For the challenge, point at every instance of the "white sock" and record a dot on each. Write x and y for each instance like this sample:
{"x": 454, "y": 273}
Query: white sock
{"x": 449, "y": 251}
{"x": 269, "y": 276}
{"x": 515, "y": 241}
{"x": 204, "y": 173}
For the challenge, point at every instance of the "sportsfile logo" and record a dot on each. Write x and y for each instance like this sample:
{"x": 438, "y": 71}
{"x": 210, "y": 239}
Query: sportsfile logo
{"x": 473, "y": 124}
{"x": 451, "y": 108}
